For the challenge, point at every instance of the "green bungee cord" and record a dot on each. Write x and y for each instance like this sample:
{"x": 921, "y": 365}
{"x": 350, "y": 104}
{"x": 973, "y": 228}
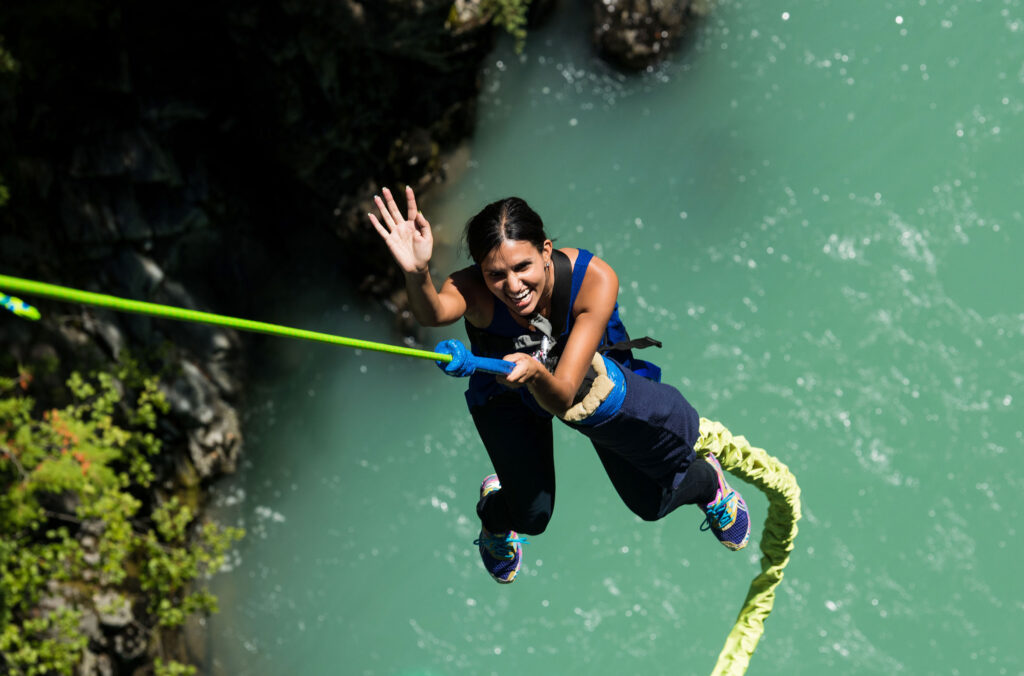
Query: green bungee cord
{"x": 63, "y": 293}
{"x": 451, "y": 355}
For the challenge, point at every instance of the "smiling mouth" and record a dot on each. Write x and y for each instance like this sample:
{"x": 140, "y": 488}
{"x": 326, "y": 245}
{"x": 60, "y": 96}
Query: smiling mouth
{"x": 520, "y": 299}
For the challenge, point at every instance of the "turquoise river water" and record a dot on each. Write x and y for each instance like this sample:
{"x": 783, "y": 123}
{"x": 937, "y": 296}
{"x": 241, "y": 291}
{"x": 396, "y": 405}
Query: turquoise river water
{"x": 817, "y": 206}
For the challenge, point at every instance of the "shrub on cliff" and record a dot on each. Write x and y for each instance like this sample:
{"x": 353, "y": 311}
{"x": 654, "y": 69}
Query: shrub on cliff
{"x": 87, "y": 552}
{"x": 511, "y": 15}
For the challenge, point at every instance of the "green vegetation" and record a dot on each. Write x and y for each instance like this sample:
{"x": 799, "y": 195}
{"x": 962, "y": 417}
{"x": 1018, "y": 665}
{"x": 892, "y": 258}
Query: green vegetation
{"x": 75, "y": 483}
{"x": 510, "y": 15}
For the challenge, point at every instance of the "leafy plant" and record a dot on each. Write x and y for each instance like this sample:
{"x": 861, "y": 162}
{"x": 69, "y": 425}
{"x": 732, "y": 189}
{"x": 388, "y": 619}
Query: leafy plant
{"x": 510, "y": 15}
{"x": 78, "y": 514}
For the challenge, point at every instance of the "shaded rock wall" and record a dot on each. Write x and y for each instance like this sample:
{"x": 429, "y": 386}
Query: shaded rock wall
{"x": 217, "y": 155}
{"x": 213, "y": 156}
{"x": 234, "y": 135}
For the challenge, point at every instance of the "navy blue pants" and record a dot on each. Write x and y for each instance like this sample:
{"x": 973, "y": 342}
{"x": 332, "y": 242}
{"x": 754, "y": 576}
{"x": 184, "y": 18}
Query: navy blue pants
{"x": 646, "y": 449}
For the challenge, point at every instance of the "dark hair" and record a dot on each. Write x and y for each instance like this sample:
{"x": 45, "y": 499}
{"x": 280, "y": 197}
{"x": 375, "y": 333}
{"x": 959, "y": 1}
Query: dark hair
{"x": 510, "y": 218}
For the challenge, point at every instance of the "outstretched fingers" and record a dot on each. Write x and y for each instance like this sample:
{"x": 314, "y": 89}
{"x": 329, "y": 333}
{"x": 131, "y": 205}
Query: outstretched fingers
{"x": 380, "y": 228}
{"x": 410, "y": 198}
{"x": 384, "y": 212}
{"x": 391, "y": 221}
{"x": 393, "y": 210}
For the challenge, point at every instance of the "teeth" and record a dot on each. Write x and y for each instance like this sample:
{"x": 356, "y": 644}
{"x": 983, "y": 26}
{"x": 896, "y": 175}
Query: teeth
{"x": 521, "y": 295}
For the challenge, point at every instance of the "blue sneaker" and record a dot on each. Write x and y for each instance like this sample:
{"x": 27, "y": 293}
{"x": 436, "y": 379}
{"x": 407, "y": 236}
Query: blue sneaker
{"x": 502, "y": 553}
{"x": 726, "y": 516}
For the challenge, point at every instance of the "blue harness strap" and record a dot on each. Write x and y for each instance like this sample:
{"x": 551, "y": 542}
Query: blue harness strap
{"x": 616, "y": 333}
{"x": 579, "y": 271}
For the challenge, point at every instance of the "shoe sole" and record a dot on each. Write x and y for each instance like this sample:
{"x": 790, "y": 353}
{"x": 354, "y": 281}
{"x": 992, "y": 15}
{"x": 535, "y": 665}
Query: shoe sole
{"x": 484, "y": 491}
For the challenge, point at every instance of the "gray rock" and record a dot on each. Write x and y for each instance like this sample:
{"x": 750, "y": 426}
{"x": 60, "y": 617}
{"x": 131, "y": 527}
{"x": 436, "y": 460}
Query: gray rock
{"x": 636, "y": 34}
{"x": 90, "y": 551}
{"x": 214, "y": 448}
{"x": 94, "y": 664}
{"x": 136, "y": 273}
{"x": 54, "y": 600}
{"x": 191, "y": 396}
{"x": 112, "y": 609}
{"x": 106, "y": 330}
{"x": 89, "y": 624}
{"x": 131, "y": 643}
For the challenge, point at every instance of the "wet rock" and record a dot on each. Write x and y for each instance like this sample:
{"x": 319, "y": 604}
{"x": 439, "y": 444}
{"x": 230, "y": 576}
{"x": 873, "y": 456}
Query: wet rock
{"x": 636, "y": 34}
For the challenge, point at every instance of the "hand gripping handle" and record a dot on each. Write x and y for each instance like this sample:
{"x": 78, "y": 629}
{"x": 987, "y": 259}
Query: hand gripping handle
{"x": 465, "y": 363}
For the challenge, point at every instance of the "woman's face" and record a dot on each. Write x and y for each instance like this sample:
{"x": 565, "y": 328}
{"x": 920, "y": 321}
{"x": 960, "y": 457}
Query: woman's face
{"x": 517, "y": 273}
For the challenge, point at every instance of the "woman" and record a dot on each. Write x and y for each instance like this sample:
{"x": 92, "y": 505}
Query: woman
{"x": 553, "y": 313}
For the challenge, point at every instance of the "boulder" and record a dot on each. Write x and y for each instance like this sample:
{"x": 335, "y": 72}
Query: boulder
{"x": 636, "y": 34}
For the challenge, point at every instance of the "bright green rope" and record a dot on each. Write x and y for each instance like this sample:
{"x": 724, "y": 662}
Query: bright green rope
{"x": 773, "y": 478}
{"x": 64, "y": 293}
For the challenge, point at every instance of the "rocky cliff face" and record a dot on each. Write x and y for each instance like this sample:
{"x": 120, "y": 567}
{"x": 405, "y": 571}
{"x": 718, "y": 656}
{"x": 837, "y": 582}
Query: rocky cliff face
{"x": 212, "y": 154}
{"x": 235, "y": 134}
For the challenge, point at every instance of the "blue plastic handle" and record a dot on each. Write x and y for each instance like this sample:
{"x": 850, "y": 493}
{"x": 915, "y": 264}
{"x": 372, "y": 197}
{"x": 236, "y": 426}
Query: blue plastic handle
{"x": 496, "y": 366}
{"x": 465, "y": 363}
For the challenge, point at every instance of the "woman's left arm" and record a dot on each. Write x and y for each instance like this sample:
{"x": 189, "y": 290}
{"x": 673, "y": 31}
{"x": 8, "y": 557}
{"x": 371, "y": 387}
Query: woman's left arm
{"x": 595, "y": 303}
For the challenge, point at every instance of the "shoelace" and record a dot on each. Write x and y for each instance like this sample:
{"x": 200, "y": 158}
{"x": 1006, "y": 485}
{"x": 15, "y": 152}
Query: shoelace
{"x": 499, "y": 545}
{"x": 720, "y": 513}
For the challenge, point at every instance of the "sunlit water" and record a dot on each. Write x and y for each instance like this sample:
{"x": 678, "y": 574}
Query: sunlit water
{"x": 817, "y": 206}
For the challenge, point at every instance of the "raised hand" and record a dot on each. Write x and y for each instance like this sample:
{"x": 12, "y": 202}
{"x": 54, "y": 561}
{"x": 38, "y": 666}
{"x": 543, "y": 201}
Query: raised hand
{"x": 409, "y": 238}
